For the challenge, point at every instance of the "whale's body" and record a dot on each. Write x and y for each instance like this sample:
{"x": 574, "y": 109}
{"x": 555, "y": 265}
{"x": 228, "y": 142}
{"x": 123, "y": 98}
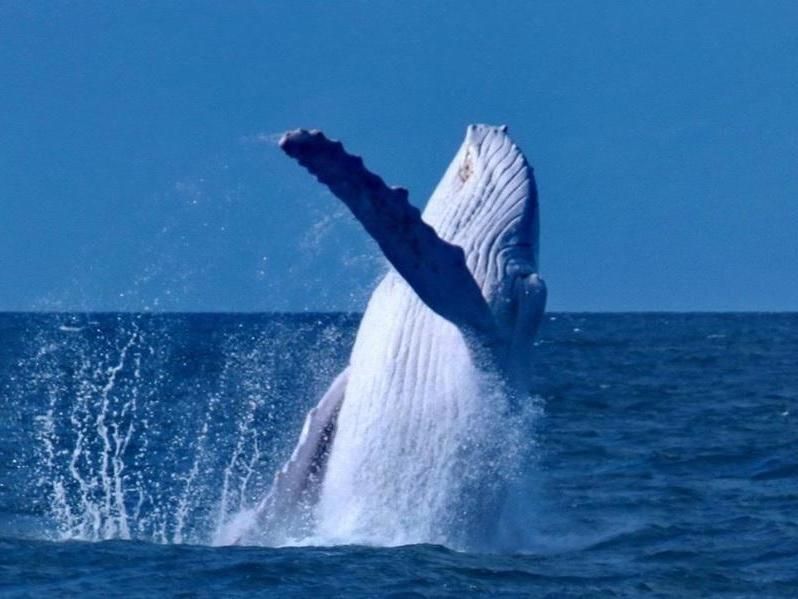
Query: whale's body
{"x": 387, "y": 456}
{"x": 410, "y": 369}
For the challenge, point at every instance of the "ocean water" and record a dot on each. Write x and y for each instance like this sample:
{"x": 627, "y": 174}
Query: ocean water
{"x": 662, "y": 460}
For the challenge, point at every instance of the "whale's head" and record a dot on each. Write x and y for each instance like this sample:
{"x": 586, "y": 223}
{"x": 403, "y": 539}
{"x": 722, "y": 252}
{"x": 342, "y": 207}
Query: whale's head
{"x": 487, "y": 204}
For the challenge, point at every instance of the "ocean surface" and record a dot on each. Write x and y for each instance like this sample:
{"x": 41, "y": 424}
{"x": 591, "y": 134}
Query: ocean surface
{"x": 662, "y": 460}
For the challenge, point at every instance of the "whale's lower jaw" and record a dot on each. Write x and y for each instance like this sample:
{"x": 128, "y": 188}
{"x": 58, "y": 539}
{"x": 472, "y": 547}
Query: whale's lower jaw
{"x": 404, "y": 434}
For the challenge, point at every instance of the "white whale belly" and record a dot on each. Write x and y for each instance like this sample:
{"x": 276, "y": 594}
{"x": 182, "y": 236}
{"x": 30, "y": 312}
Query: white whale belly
{"x": 396, "y": 463}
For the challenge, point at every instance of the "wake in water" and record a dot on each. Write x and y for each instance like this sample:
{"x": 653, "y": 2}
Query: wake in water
{"x": 161, "y": 428}
{"x": 168, "y": 429}
{"x": 452, "y": 486}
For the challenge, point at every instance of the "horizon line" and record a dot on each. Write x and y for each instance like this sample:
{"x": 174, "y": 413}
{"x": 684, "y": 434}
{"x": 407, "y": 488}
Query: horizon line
{"x": 360, "y": 313}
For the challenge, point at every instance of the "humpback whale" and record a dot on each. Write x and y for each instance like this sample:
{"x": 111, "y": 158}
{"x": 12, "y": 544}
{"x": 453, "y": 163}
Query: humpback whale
{"x": 386, "y": 457}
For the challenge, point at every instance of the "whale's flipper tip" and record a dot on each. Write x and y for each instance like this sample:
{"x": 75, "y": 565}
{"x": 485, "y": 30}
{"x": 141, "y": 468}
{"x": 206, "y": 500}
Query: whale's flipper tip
{"x": 289, "y": 137}
{"x": 298, "y": 138}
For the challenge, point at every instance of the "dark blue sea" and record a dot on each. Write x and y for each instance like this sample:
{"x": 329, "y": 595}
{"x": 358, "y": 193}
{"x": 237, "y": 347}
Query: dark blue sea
{"x": 663, "y": 460}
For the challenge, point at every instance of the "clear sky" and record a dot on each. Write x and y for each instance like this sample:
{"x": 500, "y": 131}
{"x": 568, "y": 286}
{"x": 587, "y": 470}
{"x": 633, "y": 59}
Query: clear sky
{"x": 139, "y": 170}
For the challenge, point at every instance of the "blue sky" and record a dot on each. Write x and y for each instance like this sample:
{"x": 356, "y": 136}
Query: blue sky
{"x": 139, "y": 170}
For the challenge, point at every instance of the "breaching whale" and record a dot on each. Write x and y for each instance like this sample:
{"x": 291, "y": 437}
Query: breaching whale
{"x": 383, "y": 457}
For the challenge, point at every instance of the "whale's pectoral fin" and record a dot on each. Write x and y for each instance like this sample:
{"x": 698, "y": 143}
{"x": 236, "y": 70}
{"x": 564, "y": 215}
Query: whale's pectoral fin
{"x": 299, "y": 479}
{"x": 434, "y": 268}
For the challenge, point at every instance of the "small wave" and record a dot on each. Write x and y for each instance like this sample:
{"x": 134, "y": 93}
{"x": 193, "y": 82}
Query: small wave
{"x": 70, "y": 329}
